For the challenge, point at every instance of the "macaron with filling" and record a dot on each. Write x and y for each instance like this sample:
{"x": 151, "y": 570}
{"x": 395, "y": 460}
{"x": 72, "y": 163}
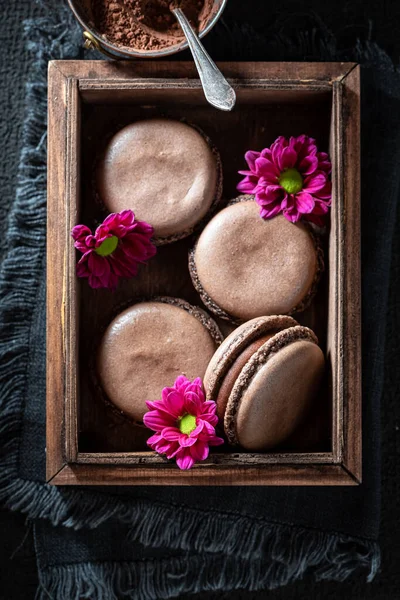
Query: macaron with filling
{"x": 168, "y": 173}
{"x": 147, "y": 346}
{"x": 264, "y": 377}
{"x": 244, "y": 266}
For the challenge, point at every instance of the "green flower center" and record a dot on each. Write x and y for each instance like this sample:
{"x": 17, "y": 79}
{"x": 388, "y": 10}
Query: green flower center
{"x": 291, "y": 181}
{"x": 187, "y": 424}
{"x": 108, "y": 246}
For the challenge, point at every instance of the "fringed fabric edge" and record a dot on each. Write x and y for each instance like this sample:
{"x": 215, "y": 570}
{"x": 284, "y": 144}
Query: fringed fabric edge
{"x": 168, "y": 578}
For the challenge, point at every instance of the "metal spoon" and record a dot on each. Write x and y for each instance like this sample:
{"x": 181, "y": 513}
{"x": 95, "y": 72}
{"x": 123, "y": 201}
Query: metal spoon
{"x": 216, "y": 89}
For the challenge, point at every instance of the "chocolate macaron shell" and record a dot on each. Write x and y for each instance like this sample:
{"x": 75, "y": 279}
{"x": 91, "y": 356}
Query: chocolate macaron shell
{"x": 169, "y": 173}
{"x": 274, "y": 390}
{"x": 231, "y": 375}
{"x": 231, "y": 348}
{"x": 147, "y": 346}
{"x": 244, "y": 266}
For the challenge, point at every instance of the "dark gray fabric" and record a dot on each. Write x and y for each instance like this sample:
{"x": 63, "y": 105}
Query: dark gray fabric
{"x": 281, "y": 533}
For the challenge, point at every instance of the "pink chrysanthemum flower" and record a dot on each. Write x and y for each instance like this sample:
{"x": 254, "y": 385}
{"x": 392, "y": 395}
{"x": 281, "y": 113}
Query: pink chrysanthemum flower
{"x": 291, "y": 177}
{"x": 184, "y": 423}
{"x": 115, "y": 250}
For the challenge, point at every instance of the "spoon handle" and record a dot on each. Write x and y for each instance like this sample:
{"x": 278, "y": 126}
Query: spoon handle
{"x": 216, "y": 88}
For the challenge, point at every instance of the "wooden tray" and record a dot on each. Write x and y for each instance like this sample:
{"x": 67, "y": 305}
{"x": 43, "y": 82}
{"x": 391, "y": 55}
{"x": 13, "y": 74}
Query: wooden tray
{"x": 88, "y": 100}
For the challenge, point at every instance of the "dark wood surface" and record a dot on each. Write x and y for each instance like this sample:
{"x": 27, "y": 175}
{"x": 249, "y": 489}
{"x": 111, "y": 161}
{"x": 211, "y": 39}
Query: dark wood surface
{"x": 352, "y": 392}
{"x": 56, "y": 228}
{"x": 271, "y": 102}
{"x": 85, "y": 474}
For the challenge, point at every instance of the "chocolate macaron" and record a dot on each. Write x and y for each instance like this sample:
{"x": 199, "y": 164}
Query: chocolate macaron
{"x": 168, "y": 173}
{"x": 264, "y": 377}
{"x": 147, "y": 346}
{"x": 244, "y": 266}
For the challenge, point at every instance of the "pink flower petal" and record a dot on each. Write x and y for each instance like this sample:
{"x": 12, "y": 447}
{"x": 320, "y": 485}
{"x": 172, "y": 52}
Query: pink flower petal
{"x": 198, "y": 383}
{"x": 192, "y": 403}
{"x": 154, "y": 439}
{"x": 321, "y": 208}
{"x": 157, "y": 421}
{"x": 165, "y": 392}
{"x": 199, "y": 451}
{"x": 160, "y": 406}
{"x": 314, "y": 183}
{"x": 121, "y": 266}
{"x": 292, "y": 215}
{"x": 250, "y": 158}
{"x": 247, "y": 185}
{"x": 308, "y": 165}
{"x": 207, "y": 427}
{"x": 199, "y": 428}
{"x": 209, "y": 407}
{"x": 265, "y": 168}
{"x": 79, "y": 232}
{"x": 277, "y": 148}
{"x": 171, "y": 434}
{"x": 185, "y": 462}
{"x": 266, "y": 153}
{"x": 127, "y": 217}
{"x": 82, "y": 267}
{"x": 304, "y": 202}
{"x": 287, "y": 201}
{"x": 163, "y": 447}
{"x": 212, "y": 419}
{"x": 326, "y": 192}
{"x": 151, "y": 404}
{"x": 268, "y": 195}
{"x": 270, "y": 211}
{"x": 324, "y": 164}
{"x": 287, "y": 158}
{"x": 181, "y": 383}
{"x": 100, "y": 272}
{"x": 174, "y": 449}
{"x": 98, "y": 265}
{"x": 216, "y": 441}
{"x": 186, "y": 441}
{"x": 174, "y": 403}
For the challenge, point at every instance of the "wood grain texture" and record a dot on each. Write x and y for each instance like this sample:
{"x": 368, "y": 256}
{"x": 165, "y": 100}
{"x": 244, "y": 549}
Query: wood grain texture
{"x": 222, "y": 458}
{"x": 351, "y": 253}
{"x": 301, "y": 72}
{"x": 56, "y": 225}
{"x": 71, "y": 315}
{"x": 202, "y": 475}
{"x": 336, "y": 300}
{"x": 273, "y": 99}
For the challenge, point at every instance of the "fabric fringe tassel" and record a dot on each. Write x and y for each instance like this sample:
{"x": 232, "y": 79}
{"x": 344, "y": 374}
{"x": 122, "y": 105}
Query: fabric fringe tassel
{"x": 279, "y": 554}
{"x": 168, "y": 578}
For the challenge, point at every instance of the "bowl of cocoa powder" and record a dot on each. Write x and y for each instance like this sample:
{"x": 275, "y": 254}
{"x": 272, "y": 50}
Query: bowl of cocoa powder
{"x": 142, "y": 28}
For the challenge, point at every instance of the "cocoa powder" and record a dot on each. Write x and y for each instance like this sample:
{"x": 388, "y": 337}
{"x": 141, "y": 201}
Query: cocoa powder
{"x": 146, "y": 24}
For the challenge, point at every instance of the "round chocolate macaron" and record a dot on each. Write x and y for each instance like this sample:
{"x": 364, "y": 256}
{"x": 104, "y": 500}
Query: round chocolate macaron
{"x": 166, "y": 172}
{"x": 147, "y": 346}
{"x": 244, "y": 266}
{"x": 263, "y": 378}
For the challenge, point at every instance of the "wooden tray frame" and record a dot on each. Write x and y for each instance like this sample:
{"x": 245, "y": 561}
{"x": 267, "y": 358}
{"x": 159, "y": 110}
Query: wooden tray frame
{"x": 71, "y": 82}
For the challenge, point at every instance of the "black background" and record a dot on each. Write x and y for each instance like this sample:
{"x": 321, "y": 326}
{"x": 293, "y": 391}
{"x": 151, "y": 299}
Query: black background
{"x": 347, "y": 19}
